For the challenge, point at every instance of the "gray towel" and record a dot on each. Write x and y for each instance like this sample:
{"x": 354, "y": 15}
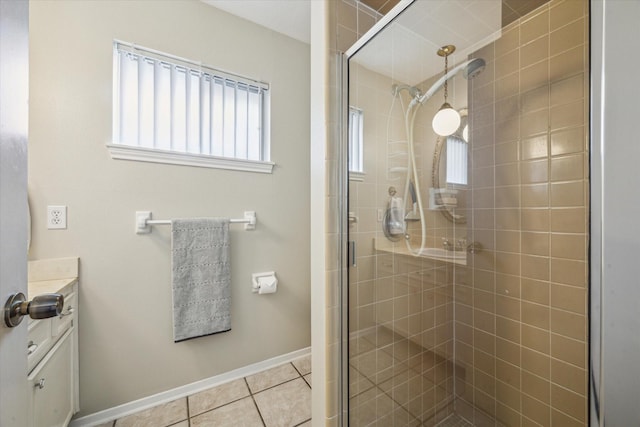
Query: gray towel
{"x": 201, "y": 275}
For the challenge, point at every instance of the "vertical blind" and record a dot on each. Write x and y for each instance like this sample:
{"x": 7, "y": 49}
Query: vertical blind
{"x": 356, "y": 163}
{"x": 166, "y": 103}
{"x": 456, "y": 160}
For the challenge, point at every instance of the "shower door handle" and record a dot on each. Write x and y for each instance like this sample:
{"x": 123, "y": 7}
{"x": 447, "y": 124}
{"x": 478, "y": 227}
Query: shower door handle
{"x": 352, "y": 253}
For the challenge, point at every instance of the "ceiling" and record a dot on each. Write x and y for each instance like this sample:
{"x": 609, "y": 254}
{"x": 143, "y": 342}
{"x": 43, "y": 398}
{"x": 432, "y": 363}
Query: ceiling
{"x": 406, "y": 50}
{"x": 289, "y": 17}
{"x": 411, "y": 40}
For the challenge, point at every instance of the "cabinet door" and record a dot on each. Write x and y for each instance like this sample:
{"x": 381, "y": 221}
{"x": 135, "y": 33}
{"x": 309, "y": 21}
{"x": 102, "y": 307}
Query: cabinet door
{"x": 51, "y": 386}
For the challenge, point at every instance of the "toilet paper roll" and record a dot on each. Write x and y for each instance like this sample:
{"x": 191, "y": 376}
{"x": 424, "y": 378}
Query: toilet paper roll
{"x": 267, "y": 285}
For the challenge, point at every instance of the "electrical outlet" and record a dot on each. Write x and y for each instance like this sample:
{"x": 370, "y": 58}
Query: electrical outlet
{"x": 56, "y": 217}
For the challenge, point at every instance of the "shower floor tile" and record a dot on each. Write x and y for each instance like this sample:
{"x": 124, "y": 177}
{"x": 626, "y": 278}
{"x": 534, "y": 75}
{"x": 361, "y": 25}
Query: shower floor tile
{"x": 394, "y": 382}
{"x": 454, "y": 420}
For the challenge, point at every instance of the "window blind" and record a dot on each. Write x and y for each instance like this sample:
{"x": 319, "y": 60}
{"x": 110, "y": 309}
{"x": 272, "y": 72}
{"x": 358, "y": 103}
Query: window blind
{"x": 167, "y": 103}
{"x": 456, "y": 160}
{"x": 356, "y": 162}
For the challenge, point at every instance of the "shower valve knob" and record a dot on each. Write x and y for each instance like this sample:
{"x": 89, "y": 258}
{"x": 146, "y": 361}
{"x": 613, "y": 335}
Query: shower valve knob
{"x": 474, "y": 247}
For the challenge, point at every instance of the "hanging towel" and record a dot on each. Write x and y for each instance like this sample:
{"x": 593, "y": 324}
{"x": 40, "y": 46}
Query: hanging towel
{"x": 396, "y": 215}
{"x": 201, "y": 275}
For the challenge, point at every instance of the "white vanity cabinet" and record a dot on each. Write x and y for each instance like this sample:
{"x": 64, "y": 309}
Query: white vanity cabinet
{"x": 52, "y": 359}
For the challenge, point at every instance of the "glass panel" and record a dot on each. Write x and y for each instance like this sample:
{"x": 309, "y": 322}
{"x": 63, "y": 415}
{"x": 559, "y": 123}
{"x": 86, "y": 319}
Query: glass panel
{"x": 467, "y": 305}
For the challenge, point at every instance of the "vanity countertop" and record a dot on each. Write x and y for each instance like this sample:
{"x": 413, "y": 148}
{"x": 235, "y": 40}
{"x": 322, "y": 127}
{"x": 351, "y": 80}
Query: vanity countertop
{"x": 53, "y": 275}
{"x": 40, "y": 287}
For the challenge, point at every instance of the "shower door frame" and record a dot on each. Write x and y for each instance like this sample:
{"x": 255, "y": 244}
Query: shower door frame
{"x": 347, "y": 251}
{"x": 347, "y": 255}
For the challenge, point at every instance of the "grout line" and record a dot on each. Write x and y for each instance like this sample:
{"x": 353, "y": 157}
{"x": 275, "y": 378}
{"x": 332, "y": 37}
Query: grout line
{"x": 307, "y": 382}
{"x": 220, "y": 406}
{"x": 251, "y": 394}
{"x": 305, "y": 421}
{"x": 255, "y": 403}
{"x": 188, "y": 410}
{"x": 276, "y": 385}
{"x": 300, "y": 373}
{"x": 294, "y": 367}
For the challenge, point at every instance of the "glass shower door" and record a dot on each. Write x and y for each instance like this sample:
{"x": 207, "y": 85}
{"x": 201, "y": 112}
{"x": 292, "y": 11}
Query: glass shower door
{"x": 468, "y": 300}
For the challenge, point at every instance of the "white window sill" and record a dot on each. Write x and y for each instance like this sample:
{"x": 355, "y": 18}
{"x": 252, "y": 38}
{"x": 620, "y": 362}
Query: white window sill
{"x": 125, "y": 152}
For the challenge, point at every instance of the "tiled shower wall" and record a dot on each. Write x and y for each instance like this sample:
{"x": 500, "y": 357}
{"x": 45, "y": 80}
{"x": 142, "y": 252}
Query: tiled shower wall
{"x": 520, "y": 305}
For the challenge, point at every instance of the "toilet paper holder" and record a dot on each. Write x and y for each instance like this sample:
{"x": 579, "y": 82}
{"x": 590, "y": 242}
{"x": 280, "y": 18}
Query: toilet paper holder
{"x": 264, "y": 283}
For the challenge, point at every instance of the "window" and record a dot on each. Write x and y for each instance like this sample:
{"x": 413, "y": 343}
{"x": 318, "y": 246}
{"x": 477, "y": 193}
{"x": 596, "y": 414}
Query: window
{"x": 457, "y": 160}
{"x": 356, "y": 163}
{"x": 171, "y": 110}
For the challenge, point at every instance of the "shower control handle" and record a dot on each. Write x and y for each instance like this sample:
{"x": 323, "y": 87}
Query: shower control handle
{"x": 474, "y": 247}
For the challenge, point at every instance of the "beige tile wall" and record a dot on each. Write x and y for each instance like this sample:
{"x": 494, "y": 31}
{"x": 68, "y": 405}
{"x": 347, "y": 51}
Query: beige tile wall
{"x": 521, "y": 304}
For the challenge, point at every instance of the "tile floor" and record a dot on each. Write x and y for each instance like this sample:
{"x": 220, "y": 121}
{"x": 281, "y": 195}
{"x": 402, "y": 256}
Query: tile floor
{"x": 277, "y": 397}
{"x": 396, "y": 382}
{"x": 455, "y": 420}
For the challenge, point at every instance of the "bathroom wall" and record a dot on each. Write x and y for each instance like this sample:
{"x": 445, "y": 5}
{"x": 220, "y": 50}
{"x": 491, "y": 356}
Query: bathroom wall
{"x": 520, "y": 306}
{"x": 125, "y": 320}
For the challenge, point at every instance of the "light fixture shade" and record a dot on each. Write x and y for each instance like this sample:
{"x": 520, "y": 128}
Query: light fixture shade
{"x": 446, "y": 121}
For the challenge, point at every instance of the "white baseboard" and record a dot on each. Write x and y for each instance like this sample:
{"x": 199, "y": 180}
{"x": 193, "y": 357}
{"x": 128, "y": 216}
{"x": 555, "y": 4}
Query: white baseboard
{"x": 183, "y": 391}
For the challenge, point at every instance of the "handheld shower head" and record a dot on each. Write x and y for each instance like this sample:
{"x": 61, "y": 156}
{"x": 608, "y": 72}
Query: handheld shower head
{"x": 473, "y": 68}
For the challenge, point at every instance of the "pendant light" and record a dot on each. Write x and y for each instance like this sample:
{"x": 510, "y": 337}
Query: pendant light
{"x": 447, "y": 120}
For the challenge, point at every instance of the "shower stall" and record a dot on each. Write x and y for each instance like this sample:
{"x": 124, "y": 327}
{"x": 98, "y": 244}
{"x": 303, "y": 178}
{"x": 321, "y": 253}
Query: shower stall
{"x": 466, "y": 296}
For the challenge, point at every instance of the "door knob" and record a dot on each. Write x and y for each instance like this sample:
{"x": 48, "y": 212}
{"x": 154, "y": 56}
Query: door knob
{"x": 41, "y": 307}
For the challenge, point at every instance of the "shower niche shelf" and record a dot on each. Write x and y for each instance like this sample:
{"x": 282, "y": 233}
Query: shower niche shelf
{"x": 436, "y": 254}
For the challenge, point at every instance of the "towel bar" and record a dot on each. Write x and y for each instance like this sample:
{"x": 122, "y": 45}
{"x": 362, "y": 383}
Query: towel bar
{"x": 144, "y": 221}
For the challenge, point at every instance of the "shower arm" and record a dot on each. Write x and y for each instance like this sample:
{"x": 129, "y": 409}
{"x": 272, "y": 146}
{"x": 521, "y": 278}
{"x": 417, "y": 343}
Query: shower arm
{"x": 421, "y": 99}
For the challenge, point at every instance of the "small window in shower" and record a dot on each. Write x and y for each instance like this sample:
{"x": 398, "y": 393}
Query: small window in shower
{"x": 172, "y": 110}
{"x": 457, "y": 160}
{"x": 356, "y": 125}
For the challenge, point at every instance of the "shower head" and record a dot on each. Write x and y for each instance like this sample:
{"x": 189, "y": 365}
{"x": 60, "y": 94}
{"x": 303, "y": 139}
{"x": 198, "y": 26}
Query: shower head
{"x": 470, "y": 69}
{"x": 473, "y": 68}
